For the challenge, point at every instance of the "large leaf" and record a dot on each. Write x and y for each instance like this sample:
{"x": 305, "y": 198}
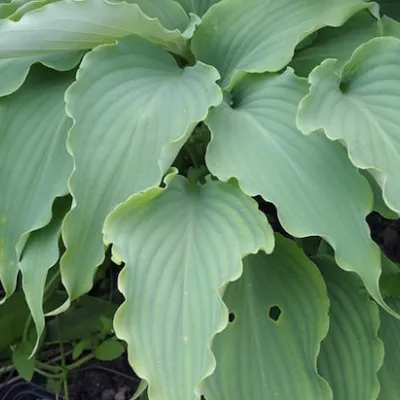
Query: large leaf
{"x": 198, "y": 7}
{"x": 180, "y": 245}
{"x": 239, "y": 36}
{"x": 351, "y": 354}
{"x": 280, "y": 309}
{"x": 337, "y": 43}
{"x": 83, "y": 24}
{"x": 389, "y": 332}
{"x": 310, "y": 179}
{"x": 14, "y": 70}
{"x": 133, "y": 109}
{"x": 34, "y": 162}
{"x": 359, "y": 106}
{"x": 40, "y": 254}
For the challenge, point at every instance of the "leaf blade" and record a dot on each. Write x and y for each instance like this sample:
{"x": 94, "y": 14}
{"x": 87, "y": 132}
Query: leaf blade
{"x": 41, "y": 174}
{"x": 362, "y": 91}
{"x": 260, "y": 36}
{"x": 303, "y": 175}
{"x": 160, "y": 106}
{"x": 352, "y": 353}
{"x": 258, "y": 357}
{"x": 207, "y": 248}
{"x": 63, "y": 26}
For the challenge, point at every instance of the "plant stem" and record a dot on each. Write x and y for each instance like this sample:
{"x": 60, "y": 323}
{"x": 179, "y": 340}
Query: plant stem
{"x": 48, "y": 375}
{"x": 63, "y": 362}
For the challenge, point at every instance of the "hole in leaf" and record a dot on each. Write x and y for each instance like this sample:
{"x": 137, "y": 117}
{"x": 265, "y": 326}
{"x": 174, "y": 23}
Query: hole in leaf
{"x": 231, "y": 317}
{"x": 274, "y": 313}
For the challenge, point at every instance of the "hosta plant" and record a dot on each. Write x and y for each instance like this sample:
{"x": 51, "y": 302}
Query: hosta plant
{"x": 228, "y": 152}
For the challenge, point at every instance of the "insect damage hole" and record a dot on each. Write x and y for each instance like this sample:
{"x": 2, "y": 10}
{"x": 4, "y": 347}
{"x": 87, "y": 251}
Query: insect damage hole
{"x": 232, "y": 317}
{"x": 274, "y": 313}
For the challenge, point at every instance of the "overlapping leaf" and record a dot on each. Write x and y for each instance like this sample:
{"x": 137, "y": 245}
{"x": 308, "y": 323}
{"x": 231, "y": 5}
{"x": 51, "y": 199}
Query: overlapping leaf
{"x": 379, "y": 204}
{"x": 52, "y": 34}
{"x": 180, "y": 245}
{"x": 40, "y": 254}
{"x": 309, "y": 178}
{"x": 351, "y": 354}
{"x": 338, "y": 43}
{"x": 13, "y": 315}
{"x": 389, "y": 334}
{"x": 239, "y": 36}
{"x": 198, "y": 7}
{"x": 14, "y": 71}
{"x": 76, "y": 25}
{"x": 263, "y": 354}
{"x": 18, "y": 8}
{"x": 133, "y": 109}
{"x": 359, "y": 105}
{"x": 34, "y": 162}
{"x": 112, "y": 21}
{"x": 168, "y": 12}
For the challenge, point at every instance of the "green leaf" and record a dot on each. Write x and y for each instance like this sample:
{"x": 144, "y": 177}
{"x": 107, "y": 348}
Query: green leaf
{"x": 34, "y": 163}
{"x": 168, "y": 12}
{"x": 390, "y": 279}
{"x": 379, "y": 204}
{"x": 351, "y": 354}
{"x": 109, "y": 350}
{"x": 129, "y": 127}
{"x": 18, "y": 8}
{"x": 180, "y": 245}
{"x": 310, "y": 180}
{"x": 265, "y": 354}
{"x": 14, "y": 71}
{"x": 389, "y": 333}
{"x": 41, "y": 252}
{"x": 359, "y": 106}
{"x": 198, "y": 7}
{"x": 83, "y": 24}
{"x": 80, "y": 347}
{"x": 140, "y": 390}
{"x": 338, "y": 43}
{"x": 239, "y": 36}
{"x": 13, "y": 316}
{"x": 81, "y": 321}
{"x": 24, "y": 365}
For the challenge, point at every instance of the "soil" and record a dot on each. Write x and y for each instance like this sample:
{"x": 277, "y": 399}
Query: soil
{"x": 113, "y": 380}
